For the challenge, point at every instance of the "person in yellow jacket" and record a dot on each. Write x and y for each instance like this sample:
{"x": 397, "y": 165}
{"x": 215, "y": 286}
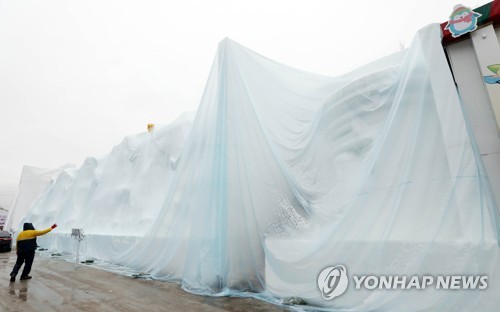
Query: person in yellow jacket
{"x": 26, "y": 246}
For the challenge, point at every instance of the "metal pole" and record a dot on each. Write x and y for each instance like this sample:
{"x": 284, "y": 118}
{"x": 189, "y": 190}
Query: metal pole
{"x": 77, "y": 255}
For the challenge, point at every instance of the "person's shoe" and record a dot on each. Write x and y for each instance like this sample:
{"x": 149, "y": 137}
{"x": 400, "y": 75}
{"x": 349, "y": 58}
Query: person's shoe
{"x": 12, "y": 277}
{"x": 27, "y": 277}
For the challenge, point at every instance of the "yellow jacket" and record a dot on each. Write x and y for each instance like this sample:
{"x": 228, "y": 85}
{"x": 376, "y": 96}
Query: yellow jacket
{"x": 26, "y": 240}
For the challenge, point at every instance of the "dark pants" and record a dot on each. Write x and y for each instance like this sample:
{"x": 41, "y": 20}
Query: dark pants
{"x": 25, "y": 257}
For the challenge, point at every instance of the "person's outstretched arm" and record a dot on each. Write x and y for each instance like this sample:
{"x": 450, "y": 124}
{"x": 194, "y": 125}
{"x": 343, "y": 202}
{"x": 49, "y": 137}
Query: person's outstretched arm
{"x": 43, "y": 232}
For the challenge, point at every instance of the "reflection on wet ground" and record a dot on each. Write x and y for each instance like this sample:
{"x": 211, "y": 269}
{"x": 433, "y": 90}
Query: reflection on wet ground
{"x": 19, "y": 290}
{"x": 58, "y": 286}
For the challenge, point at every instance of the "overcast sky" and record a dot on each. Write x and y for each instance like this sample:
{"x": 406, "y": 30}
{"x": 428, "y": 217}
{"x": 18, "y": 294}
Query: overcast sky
{"x": 78, "y": 76}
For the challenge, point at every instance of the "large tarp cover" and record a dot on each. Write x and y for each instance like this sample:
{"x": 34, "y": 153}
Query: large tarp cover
{"x": 33, "y": 182}
{"x": 283, "y": 173}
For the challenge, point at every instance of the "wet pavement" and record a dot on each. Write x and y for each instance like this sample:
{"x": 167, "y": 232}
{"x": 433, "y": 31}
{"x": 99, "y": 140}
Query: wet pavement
{"x": 58, "y": 286}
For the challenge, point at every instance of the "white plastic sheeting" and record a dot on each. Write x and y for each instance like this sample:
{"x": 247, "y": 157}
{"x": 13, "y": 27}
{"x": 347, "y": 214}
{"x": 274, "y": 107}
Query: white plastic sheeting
{"x": 287, "y": 172}
{"x": 116, "y": 198}
{"x": 33, "y": 182}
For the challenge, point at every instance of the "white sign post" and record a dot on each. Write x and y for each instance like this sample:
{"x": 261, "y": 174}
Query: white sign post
{"x": 78, "y": 235}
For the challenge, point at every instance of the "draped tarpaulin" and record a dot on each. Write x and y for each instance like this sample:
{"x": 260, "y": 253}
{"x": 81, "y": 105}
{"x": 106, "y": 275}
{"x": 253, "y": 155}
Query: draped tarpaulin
{"x": 284, "y": 173}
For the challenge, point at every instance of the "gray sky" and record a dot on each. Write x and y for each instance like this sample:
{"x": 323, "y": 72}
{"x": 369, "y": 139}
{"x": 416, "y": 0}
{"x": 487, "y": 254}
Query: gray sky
{"x": 78, "y": 76}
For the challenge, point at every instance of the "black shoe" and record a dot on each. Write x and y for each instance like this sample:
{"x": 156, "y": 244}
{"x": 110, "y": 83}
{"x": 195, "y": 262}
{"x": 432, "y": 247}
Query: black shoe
{"x": 12, "y": 278}
{"x": 27, "y": 277}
